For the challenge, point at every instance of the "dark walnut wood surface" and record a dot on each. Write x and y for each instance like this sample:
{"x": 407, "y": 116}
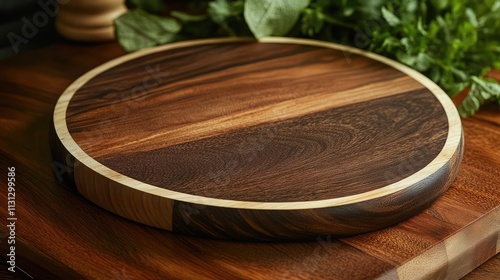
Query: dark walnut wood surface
{"x": 285, "y": 139}
{"x": 61, "y": 234}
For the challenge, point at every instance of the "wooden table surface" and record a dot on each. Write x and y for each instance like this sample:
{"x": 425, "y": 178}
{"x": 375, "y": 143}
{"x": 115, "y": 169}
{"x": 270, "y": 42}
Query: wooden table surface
{"x": 59, "y": 234}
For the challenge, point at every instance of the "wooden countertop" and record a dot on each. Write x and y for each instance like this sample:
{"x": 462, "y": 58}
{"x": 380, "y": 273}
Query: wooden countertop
{"x": 59, "y": 234}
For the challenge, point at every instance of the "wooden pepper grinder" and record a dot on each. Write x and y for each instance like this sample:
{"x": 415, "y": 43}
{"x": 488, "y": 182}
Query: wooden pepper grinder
{"x": 88, "y": 20}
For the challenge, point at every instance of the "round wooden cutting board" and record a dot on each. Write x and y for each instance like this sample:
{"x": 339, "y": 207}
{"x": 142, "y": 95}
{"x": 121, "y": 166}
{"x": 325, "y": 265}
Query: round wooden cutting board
{"x": 278, "y": 140}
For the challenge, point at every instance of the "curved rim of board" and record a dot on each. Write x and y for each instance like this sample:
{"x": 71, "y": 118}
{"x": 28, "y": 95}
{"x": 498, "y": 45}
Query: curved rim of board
{"x": 450, "y": 147}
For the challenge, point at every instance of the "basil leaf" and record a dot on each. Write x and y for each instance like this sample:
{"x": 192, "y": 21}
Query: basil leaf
{"x": 272, "y": 17}
{"x": 138, "y": 30}
{"x": 219, "y": 11}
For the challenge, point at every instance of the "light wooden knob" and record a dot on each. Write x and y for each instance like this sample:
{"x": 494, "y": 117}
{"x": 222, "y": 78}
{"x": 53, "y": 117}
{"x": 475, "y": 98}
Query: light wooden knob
{"x": 85, "y": 20}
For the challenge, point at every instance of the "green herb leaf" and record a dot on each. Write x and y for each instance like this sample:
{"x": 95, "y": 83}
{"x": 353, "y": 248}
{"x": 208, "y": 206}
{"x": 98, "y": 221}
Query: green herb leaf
{"x": 312, "y": 21}
{"x": 185, "y": 17}
{"x": 219, "y": 11}
{"x": 138, "y": 30}
{"x": 391, "y": 19}
{"x": 227, "y": 15}
{"x": 482, "y": 90}
{"x": 272, "y": 17}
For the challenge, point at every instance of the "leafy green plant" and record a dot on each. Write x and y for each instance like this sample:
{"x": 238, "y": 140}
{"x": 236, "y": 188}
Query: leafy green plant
{"x": 481, "y": 90}
{"x": 138, "y": 30}
{"x": 447, "y": 41}
{"x": 265, "y": 17}
{"x": 453, "y": 42}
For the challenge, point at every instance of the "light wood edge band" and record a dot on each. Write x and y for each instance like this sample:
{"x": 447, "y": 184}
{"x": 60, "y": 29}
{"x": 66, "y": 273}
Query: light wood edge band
{"x": 455, "y": 256}
{"x": 451, "y": 145}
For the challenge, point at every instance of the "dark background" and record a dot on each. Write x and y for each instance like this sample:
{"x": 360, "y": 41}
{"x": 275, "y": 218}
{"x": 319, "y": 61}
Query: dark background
{"x": 13, "y": 17}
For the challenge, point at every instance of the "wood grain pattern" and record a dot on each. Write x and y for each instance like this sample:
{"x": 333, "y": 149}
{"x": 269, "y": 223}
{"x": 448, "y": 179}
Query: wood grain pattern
{"x": 226, "y": 137}
{"x": 65, "y": 234}
{"x": 279, "y": 161}
{"x": 489, "y": 270}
